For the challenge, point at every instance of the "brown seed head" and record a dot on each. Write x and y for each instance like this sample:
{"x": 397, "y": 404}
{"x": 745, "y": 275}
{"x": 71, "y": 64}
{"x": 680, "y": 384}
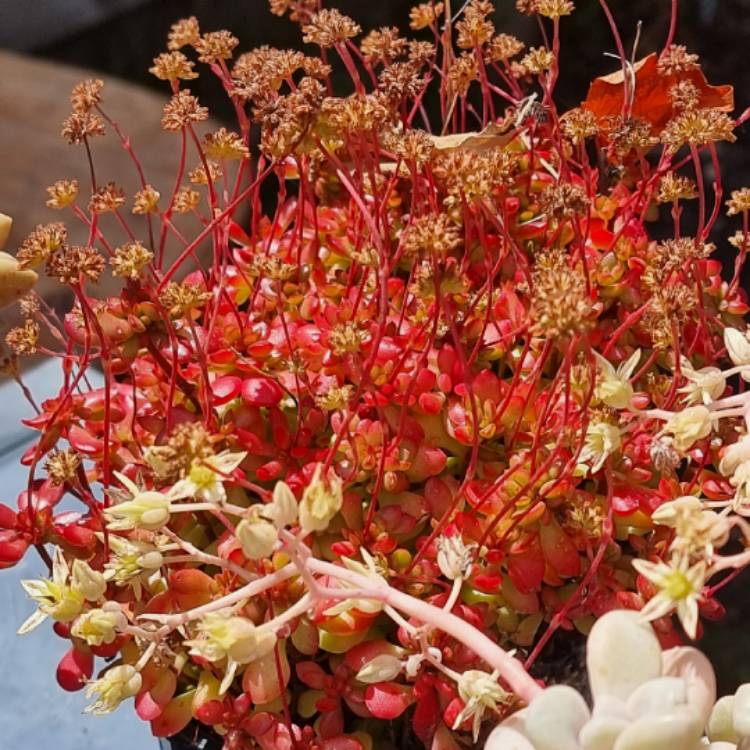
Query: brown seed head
{"x": 77, "y": 127}
{"x": 215, "y": 46}
{"x": 130, "y": 259}
{"x": 62, "y": 193}
{"x": 330, "y": 27}
{"x": 86, "y": 95}
{"x": 182, "y": 110}
{"x": 23, "y": 340}
{"x": 183, "y": 33}
{"x": 173, "y": 66}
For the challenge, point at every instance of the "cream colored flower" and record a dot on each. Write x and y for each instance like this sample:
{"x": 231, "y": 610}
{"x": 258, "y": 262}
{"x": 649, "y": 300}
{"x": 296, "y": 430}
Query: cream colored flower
{"x": 454, "y": 558}
{"x": 680, "y": 587}
{"x": 373, "y": 571}
{"x": 697, "y": 530}
{"x": 668, "y": 513}
{"x": 100, "y": 626}
{"x": 282, "y": 510}
{"x": 223, "y": 636}
{"x": 146, "y": 509}
{"x": 704, "y": 385}
{"x": 256, "y": 537}
{"x": 321, "y": 501}
{"x": 737, "y": 346}
{"x": 602, "y": 440}
{"x": 688, "y": 426}
{"x": 91, "y": 583}
{"x": 613, "y": 385}
{"x": 62, "y": 597}
{"x": 740, "y": 480}
{"x": 118, "y": 684}
{"x": 131, "y": 562}
{"x": 205, "y": 480}
{"x": 480, "y": 692}
{"x": 734, "y": 455}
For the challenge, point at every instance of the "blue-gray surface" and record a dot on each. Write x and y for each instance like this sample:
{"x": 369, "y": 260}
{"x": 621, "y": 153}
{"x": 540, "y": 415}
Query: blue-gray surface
{"x": 34, "y": 711}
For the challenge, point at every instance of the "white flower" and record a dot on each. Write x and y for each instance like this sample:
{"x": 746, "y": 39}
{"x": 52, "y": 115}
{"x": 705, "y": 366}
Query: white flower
{"x": 704, "y": 386}
{"x": 282, "y": 510}
{"x": 689, "y": 425}
{"x": 382, "y": 668}
{"x": 369, "y": 569}
{"x": 480, "y": 692}
{"x": 680, "y": 588}
{"x": 613, "y": 385}
{"x": 741, "y": 482}
{"x": 737, "y": 346}
{"x": 62, "y": 597}
{"x": 146, "y": 509}
{"x": 454, "y": 558}
{"x": 734, "y": 455}
{"x": 602, "y": 440}
{"x": 205, "y": 480}
{"x": 697, "y": 530}
{"x": 117, "y": 685}
{"x": 100, "y": 626}
{"x": 668, "y": 513}
{"x": 321, "y": 501}
{"x": 414, "y": 662}
{"x": 234, "y": 639}
{"x": 91, "y": 583}
{"x": 256, "y": 537}
{"x": 131, "y": 562}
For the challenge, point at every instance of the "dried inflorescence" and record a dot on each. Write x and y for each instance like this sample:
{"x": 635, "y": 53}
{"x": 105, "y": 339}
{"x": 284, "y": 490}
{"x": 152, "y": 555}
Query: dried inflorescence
{"x": 396, "y": 378}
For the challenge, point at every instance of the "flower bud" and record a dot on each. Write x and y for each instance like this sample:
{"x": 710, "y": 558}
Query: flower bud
{"x": 666, "y": 514}
{"x": 320, "y": 503}
{"x": 454, "y": 558}
{"x": 688, "y": 426}
{"x": 147, "y": 510}
{"x": 257, "y": 538}
{"x": 88, "y": 581}
{"x": 382, "y": 668}
{"x": 734, "y": 455}
{"x": 704, "y": 385}
{"x": 737, "y": 346}
{"x": 282, "y": 511}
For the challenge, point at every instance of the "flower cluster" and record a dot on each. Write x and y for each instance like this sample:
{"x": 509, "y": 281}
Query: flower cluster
{"x": 441, "y": 399}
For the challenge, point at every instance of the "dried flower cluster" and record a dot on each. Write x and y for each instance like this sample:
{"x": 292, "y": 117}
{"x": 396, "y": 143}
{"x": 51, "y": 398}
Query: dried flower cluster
{"x": 443, "y": 398}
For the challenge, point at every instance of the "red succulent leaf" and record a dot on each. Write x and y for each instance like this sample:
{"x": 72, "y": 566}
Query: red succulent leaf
{"x": 176, "y": 715}
{"x": 261, "y": 392}
{"x": 426, "y": 713}
{"x": 559, "y": 550}
{"x": 387, "y": 700}
{"x": 340, "y": 743}
{"x": 312, "y": 675}
{"x": 151, "y": 702}
{"x": 75, "y": 669}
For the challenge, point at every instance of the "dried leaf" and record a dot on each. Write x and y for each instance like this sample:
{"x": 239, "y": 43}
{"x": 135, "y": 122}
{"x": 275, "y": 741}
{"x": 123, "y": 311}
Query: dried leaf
{"x": 652, "y": 102}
